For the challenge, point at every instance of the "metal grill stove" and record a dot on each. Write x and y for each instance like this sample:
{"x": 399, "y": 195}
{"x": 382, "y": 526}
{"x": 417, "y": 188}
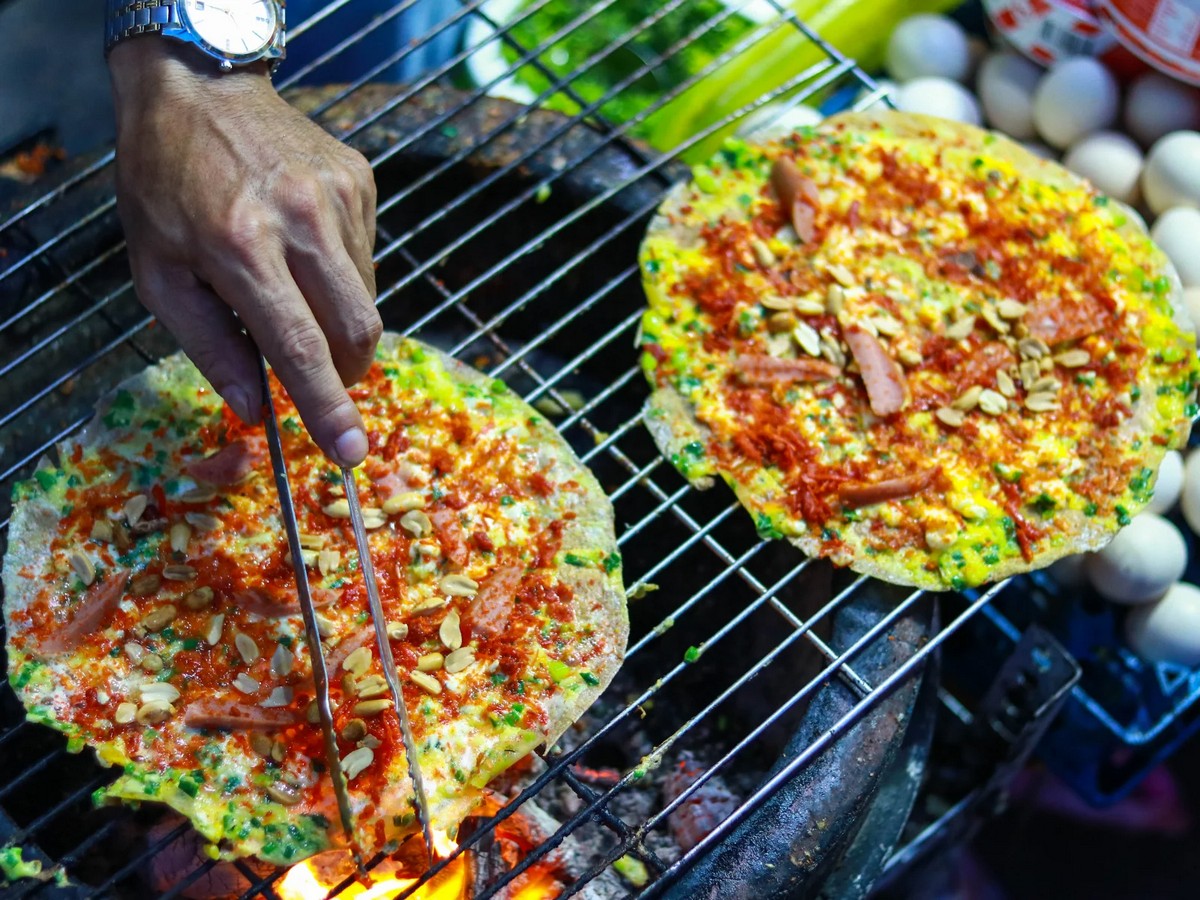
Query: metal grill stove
{"x": 792, "y": 704}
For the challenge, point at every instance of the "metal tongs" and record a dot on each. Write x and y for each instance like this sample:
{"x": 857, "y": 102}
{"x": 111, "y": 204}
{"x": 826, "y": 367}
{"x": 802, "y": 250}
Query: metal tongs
{"x": 308, "y": 611}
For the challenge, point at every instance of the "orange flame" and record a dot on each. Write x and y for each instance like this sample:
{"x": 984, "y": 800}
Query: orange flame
{"x": 314, "y": 878}
{"x": 536, "y": 885}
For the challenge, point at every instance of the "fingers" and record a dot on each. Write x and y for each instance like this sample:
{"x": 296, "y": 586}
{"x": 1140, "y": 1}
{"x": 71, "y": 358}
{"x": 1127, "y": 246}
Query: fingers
{"x": 209, "y": 334}
{"x": 331, "y": 264}
{"x": 364, "y": 177}
{"x": 343, "y": 308}
{"x": 279, "y": 319}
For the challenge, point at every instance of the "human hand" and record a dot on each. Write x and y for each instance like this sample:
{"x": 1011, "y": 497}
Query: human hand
{"x": 233, "y": 202}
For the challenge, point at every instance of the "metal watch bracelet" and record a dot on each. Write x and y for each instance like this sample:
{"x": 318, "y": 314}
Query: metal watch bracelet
{"x": 125, "y": 18}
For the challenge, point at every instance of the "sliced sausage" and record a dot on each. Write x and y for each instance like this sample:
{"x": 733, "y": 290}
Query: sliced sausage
{"x": 229, "y": 465}
{"x": 763, "y": 371}
{"x": 493, "y": 604}
{"x": 95, "y": 608}
{"x": 234, "y": 715}
{"x": 883, "y": 377}
{"x": 864, "y": 493}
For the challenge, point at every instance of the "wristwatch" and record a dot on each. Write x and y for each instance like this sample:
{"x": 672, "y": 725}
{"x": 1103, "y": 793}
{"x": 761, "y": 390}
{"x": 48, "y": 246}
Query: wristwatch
{"x": 233, "y": 32}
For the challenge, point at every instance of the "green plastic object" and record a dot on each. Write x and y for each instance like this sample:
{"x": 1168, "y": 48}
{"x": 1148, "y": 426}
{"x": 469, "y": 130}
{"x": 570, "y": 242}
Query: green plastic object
{"x": 857, "y": 28}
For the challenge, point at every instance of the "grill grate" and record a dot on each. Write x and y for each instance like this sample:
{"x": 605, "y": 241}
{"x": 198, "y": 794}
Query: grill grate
{"x": 450, "y": 275}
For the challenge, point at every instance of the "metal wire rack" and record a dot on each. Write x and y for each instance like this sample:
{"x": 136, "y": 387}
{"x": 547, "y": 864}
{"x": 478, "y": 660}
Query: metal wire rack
{"x": 71, "y": 327}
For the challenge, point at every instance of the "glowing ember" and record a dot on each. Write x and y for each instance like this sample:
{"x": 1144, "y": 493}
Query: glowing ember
{"x": 313, "y": 879}
{"x": 535, "y": 885}
{"x": 443, "y": 844}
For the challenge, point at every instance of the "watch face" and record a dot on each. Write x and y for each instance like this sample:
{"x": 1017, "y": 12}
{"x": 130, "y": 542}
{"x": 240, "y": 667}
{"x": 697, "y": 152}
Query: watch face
{"x": 236, "y": 28}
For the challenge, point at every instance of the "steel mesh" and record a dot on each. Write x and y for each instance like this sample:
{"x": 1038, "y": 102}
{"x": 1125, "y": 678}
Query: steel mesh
{"x": 83, "y": 330}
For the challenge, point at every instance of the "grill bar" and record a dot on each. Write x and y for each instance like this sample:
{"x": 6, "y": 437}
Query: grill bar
{"x": 531, "y": 245}
{"x": 73, "y": 279}
{"x": 893, "y": 681}
{"x": 766, "y": 595}
{"x": 60, "y": 380}
{"x": 157, "y": 847}
{"x": 294, "y": 31}
{"x": 558, "y": 84}
{"x": 57, "y": 193}
{"x": 352, "y": 39}
{"x": 36, "y": 769}
{"x": 827, "y": 74}
{"x": 442, "y": 70}
{"x": 96, "y": 838}
{"x": 49, "y": 244}
{"x": 72, "y": 799}
{"x": 407, "y": 94}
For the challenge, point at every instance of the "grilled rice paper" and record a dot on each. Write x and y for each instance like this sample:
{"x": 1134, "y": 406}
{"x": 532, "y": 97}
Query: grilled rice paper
{"x": 152, "y": 614}
{"x": 913, "y": 347}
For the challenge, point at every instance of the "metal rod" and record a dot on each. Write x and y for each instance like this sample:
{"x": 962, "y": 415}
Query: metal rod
{"x": 818, "y": 73}
{"x": 444, "y": 69}
{"x": 632, "y": 706}
{"x": 57, "y": 382}
{"x": 661, "y": 748}
{"x": 68, "y": 859}
{"x": 335, "y": 50}
{"x": 129, "y": 868}
{"x": 308, "y": 611}
{"x": 557, "y": 84}
{"x": 70, "y": 281}
{"x": 50, "y": 243}
{"x": 388, "y": 663}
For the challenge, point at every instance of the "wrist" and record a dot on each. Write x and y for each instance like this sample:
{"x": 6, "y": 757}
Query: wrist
{"x": 150, "y": 64}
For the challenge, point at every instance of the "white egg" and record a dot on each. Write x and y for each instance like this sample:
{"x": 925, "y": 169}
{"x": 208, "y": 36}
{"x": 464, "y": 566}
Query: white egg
{"x": 1189, "y": 500}
{"x": 928, "y": 44}
{"x": 938, "y": 97}
{"x": 1076, "y": 97}
{"x": 1177, "y": 233}
{"x": 1168, "y": 631}
{"x": 1109, "y": 160}
{"x": 1169, "y": 484}
{"x": 1191, "y": 302}
{"x": 779, "y": 117}
{"x": 1145, "y": 558}
{"x": 1157, "y": 105}
{"x": 1005, "y": 87}
{"x": 1171, "y": 176}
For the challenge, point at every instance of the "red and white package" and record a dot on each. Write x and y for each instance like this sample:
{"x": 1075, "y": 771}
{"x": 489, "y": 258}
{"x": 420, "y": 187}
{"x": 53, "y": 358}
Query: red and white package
{"x": 1049, "y": 30}
{"x": 1163, "y": 33}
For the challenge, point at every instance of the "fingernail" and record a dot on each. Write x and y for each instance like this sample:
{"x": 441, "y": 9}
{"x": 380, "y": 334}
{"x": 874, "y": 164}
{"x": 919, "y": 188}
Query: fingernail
{"x": 239, "y": 402}
{"x": 351, "y": 448}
